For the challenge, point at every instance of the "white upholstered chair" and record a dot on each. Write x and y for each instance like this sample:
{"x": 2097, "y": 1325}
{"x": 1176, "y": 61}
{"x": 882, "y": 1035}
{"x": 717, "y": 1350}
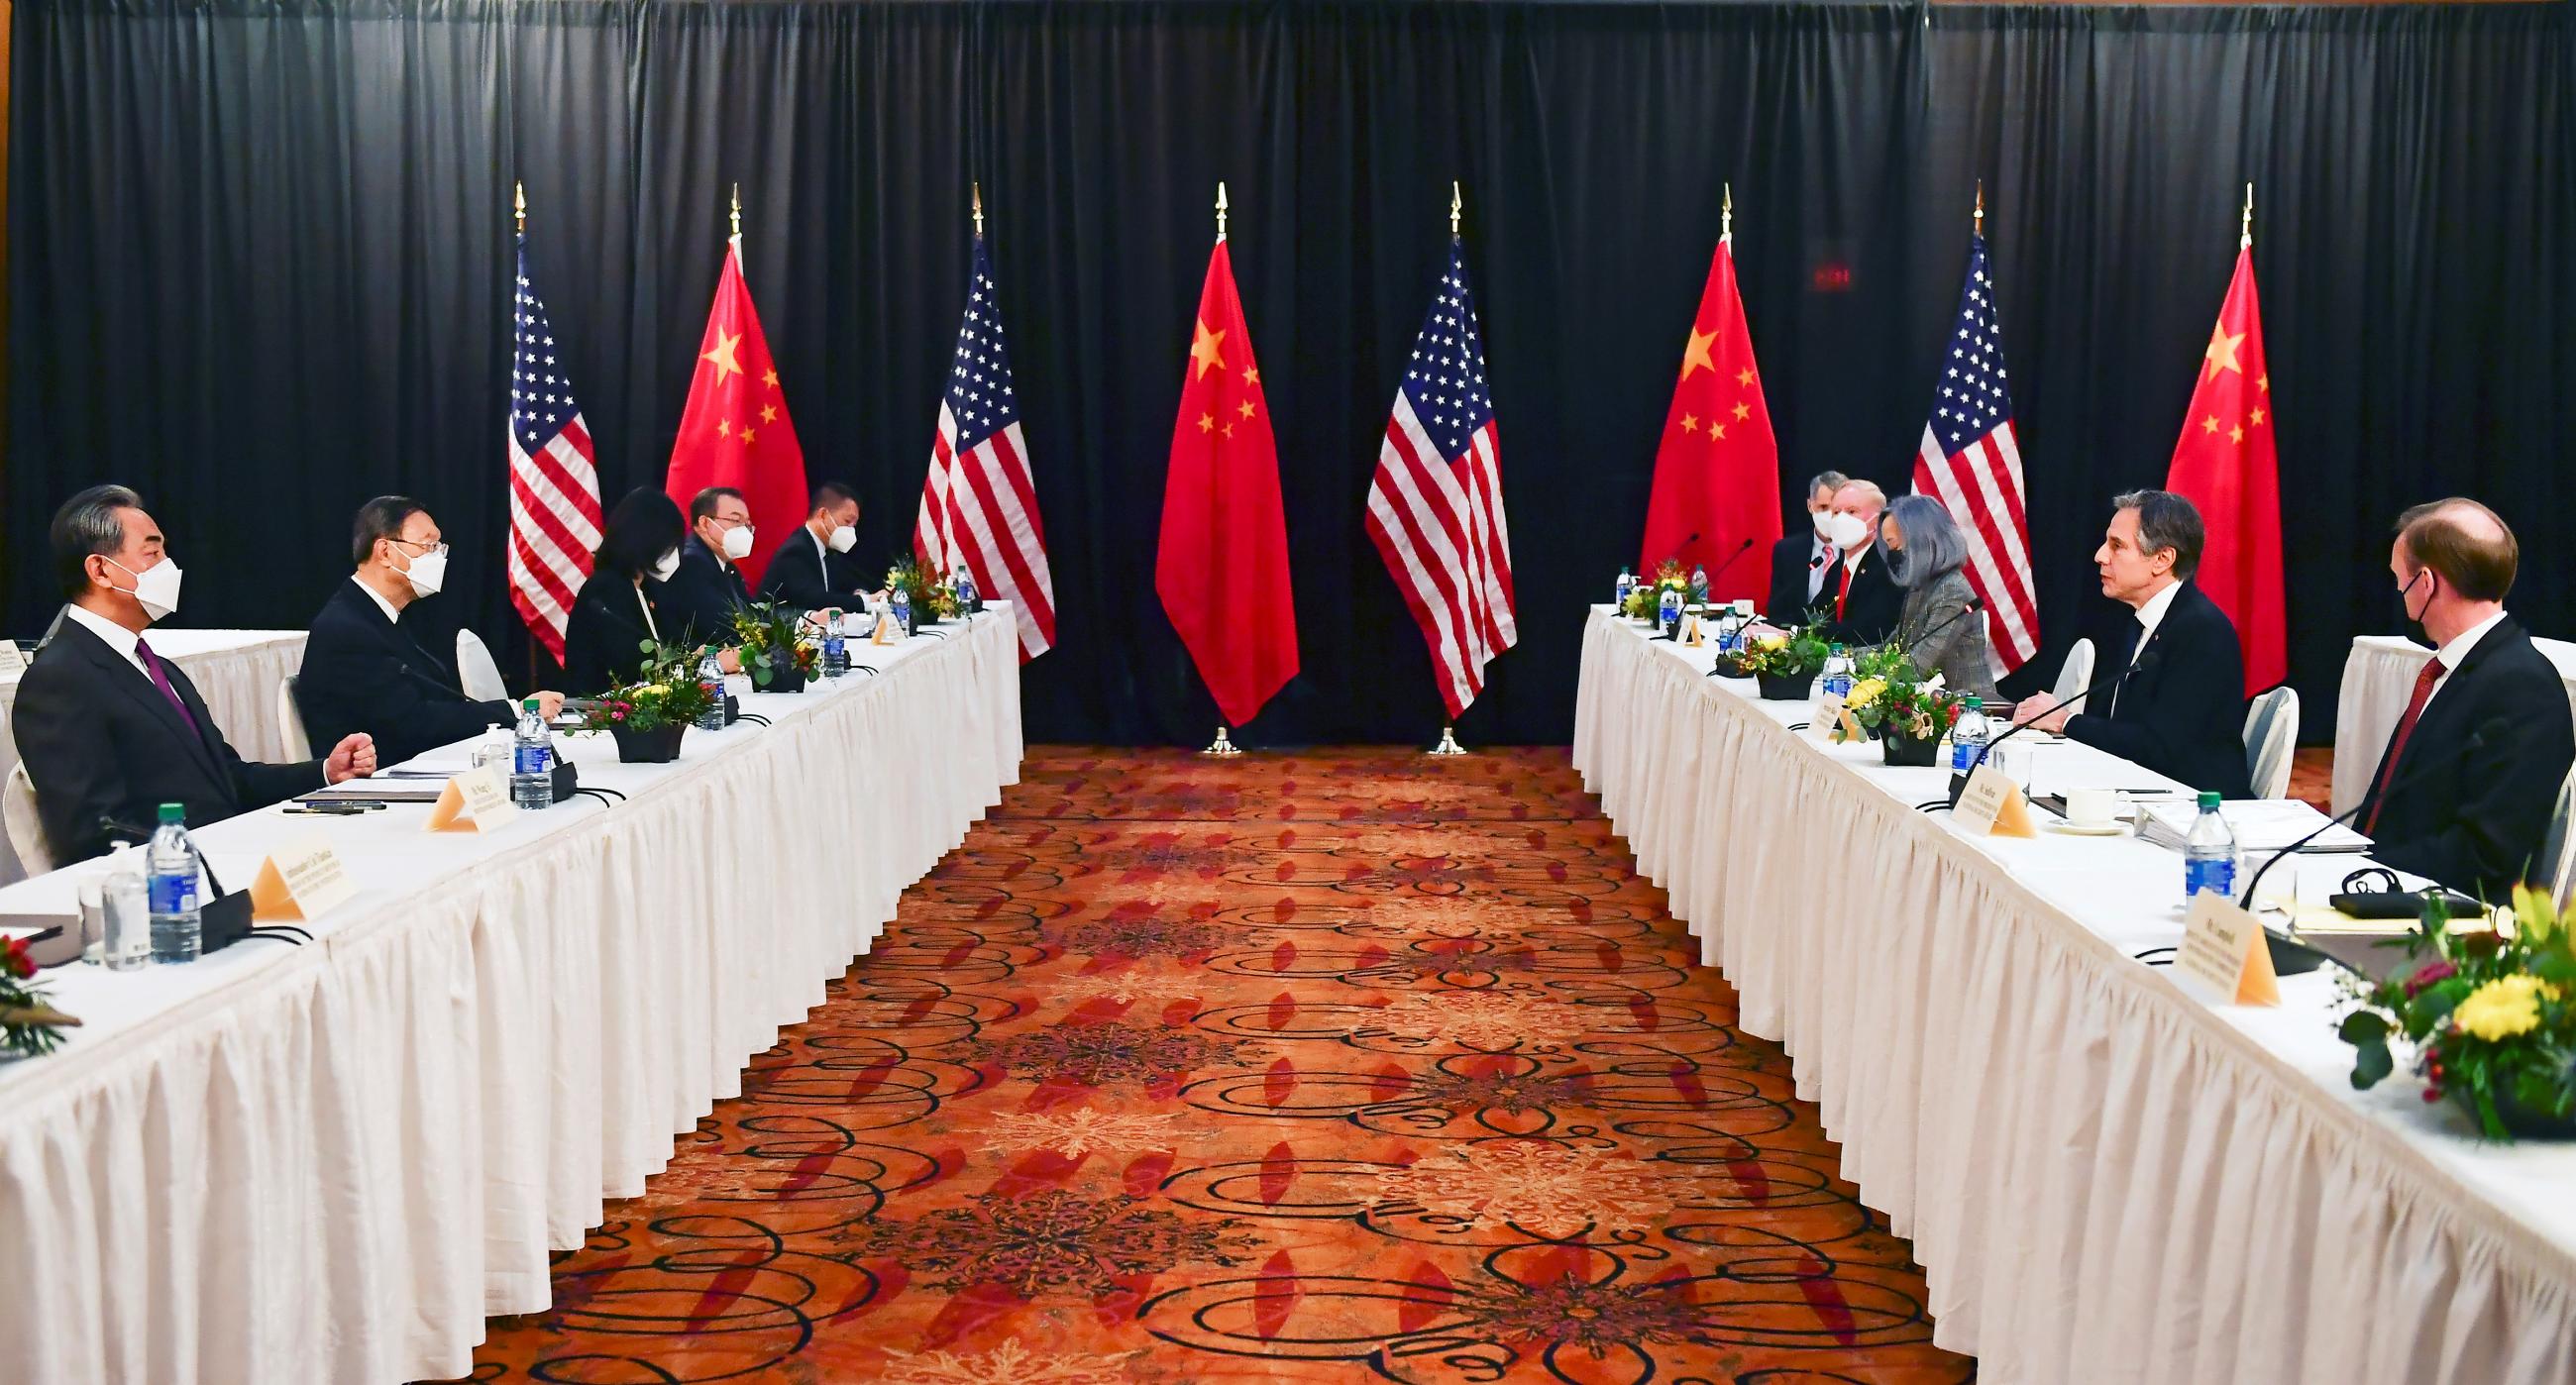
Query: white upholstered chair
{"x": 2555, "y": 866}
{"x": 26, "y": 829}
{"x": 291, "y": 732}
{"x": 476, "y": 671}
{"x": 2075, "y": 673}
{"x": 2271, "y": 737}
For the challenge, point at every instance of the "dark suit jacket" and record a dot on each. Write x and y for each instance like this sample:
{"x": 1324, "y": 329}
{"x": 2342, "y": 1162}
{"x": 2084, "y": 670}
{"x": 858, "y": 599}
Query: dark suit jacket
{"x": 2473, "y": 819}
{"x": 698, "y": 603}
{"x": 1788, "y": 603}
{"x": 603, "y": 644}
{"x": 800, "y": 577}
{"x": 1874, "y": 606}
{"x": 2182, "y": 716}
{"x": 99, "y": 740}
{"x": 363, "y": 672}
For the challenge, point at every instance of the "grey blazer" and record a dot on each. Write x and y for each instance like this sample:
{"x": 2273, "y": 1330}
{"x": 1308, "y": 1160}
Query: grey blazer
{"x": 1956, "y": 650}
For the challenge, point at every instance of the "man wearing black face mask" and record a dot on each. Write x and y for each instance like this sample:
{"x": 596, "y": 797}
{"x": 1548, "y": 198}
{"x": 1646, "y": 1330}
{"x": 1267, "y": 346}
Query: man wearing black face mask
{"x": 2486, "y": 737}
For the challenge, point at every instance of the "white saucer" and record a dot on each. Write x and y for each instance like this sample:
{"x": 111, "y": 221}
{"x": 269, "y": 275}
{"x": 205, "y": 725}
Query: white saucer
{"x": 2100, "y": 829}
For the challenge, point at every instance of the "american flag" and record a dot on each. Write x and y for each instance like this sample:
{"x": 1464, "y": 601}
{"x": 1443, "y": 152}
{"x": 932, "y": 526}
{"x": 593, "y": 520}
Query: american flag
{"x": 1435, "y": 505}
{"x": 1972, "y": 465}
{"x": 979, "y": 510}
{"x": 554, "y": 479}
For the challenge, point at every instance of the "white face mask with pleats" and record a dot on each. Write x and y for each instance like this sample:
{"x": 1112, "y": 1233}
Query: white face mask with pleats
{"x": 156, "y": 587}
{"x": 1842, "y": 531}
{"x": 844, "y": 538}
{"x": 665, "y": 565}
{"x": 737, "y": 542}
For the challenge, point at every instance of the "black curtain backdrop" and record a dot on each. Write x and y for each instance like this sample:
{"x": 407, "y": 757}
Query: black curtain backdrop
{"x": 261, "y": 257}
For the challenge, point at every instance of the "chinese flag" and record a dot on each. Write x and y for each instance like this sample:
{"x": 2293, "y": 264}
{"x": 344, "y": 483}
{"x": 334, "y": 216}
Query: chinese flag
{"x": 1223, "y": 566}
{"x": 2225, "y": 465}
{"x": 1717, "y": 473}
{"x": 735, "y": 431}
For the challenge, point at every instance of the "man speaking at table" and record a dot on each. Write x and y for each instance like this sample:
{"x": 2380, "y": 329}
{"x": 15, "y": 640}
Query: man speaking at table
{"x": 2486, "y": 737}
{"x": 2182, "y": 712}
{"x": 364, "y": 672}
{"x": 109, "y": 730}
{"x": 1861, "y": 602}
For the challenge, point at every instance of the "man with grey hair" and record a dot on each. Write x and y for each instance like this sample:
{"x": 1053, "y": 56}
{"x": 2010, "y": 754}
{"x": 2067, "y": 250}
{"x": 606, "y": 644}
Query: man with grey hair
{"x": 1859, "y": 601}
{"x": 2178, "y": 707}
{"x": 1798, "y": 560}
{"x": 108, "y": 730}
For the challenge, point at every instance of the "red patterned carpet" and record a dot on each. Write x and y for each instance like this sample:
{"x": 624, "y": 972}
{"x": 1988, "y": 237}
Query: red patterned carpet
{"x": 1343, "y": 1066}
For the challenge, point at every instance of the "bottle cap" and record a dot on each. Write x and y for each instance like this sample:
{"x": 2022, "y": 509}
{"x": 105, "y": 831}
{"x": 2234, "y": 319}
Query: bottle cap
{"x": 529, "y": 705}
{"x": 1975, "y": 703}
{"x": 172, "y": 812}
{"x": 2208, "y": 799}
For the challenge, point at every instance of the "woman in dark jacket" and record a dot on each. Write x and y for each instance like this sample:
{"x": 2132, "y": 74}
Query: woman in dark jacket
{"x": 617, "y": 609}
{"x": 1924, "y": 555}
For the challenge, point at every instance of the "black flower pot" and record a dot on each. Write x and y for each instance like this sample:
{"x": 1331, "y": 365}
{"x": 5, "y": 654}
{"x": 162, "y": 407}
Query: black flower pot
{"x": 1914, "y": 751}
{"x": 1785, "y": 687}
{"x": 2523, "y": 1122}
{"x": 659, "y": 746}
{"x": 786, "y": 678}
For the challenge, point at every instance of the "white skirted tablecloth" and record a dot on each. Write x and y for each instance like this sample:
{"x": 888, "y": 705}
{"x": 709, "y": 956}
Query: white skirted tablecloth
{"x": 236, "y": 671}
{"x": 2105, "y": 1180}
{"x": 2378, "y": 678}
{"x": 330, "y": 1163}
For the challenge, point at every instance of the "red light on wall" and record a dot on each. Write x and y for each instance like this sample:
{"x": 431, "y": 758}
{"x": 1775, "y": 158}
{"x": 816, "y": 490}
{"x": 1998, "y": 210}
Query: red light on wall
{"x": 1831, "y": 276}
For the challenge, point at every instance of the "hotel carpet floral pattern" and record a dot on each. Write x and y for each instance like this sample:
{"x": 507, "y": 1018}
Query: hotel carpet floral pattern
{"x": 1352, "y": 1066}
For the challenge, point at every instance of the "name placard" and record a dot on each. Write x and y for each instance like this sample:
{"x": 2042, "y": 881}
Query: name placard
{"x": 1690, "y": 630}
{"x": 301, "y": 882}
{"x": 475, "y": 801}
{"x": 1992, "y": 805}
{"x": 2223, "y": 958}
{"x": 12, "y": 659}
{"x": 887, "y": 630}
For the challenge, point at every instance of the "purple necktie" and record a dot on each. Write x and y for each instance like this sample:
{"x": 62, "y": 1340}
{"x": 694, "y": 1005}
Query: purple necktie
{"x": 152, "y": 665}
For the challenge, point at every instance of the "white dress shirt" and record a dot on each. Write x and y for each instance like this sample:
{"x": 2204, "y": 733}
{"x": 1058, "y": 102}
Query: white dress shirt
{"x": 2151, "y": 614}
{"x": 117, "y": 636}
{"x": 392, "y": 612}
{"x": 2450, "y": 655}
{"x": 1817, "y": 551}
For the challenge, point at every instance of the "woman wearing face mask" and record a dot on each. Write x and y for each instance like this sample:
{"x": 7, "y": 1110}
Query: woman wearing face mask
{"x": 620, "y": 606}
{"x": 1939, "y": 631}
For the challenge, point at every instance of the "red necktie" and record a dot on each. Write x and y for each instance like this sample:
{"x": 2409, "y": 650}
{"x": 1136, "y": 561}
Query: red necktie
{"x": 2424, "y": 682}
{"x": 1844, "y": 596}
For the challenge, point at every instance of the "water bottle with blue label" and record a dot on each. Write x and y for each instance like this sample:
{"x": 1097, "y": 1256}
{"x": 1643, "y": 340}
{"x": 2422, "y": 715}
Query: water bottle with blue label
{"x": 170, "y": 878}
{"x": 2209, "y": 853}
{"x": 836, "y": 646}
{"x": 901, "y": 609}
{"x": 1668, "y": 613}
{"x": 1627, "y": 584}
{"x": 1837, "y": 682}
{"x": 1699, "y": 586}
{"x": 965, "y": 592}
{"x": 711, "y": 678}
{"x": 532, "y": 760}
{"x": 1969, "y": 735}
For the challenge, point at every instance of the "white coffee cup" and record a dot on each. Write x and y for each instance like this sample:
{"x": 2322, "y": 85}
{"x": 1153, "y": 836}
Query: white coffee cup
{"x": 2091, "y": 807}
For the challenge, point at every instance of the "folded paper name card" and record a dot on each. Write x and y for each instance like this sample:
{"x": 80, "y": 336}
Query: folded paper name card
{"x": 1690, "y": 630}
{"x": 11, "y": 659}
{"x": 886, "y": 631}
{"x": 2223, "y": 958}
{"x": 1992, "y": 805}
{"x": 302, "y": 882}
{"x": 474, "y": 801}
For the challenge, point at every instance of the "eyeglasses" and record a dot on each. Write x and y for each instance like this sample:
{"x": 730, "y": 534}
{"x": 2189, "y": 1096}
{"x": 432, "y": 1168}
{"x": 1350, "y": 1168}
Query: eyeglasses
{"x": 428, "y": 549}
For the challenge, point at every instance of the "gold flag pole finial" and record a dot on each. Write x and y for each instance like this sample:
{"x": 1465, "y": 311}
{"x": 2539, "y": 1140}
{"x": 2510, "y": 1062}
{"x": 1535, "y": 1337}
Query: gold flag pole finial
{"x": 1456, "y": 205}
{"x": 519, "y": 205}
{"x": 736, "y": 214}
{"x": 1726, "y": 212}
{"x": 1220, "y": 223}
{"x": 977, "y": 190}
{"x": 1981, "y": 206}
{"x": 2245, "y": 233}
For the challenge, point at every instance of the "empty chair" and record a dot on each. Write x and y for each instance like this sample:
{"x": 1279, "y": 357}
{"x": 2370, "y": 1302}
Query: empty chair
{"x": 2555, "y": 867}
{"x": 2075, "y": 673}
{"x": 475, "y": 671}
{"x": 26, "y": 830}
{"x": 290, "y": 723}
{"x": 2271, "y": 735}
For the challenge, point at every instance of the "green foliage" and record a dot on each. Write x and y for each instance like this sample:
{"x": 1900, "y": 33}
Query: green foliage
{"x": 666, "y": 694}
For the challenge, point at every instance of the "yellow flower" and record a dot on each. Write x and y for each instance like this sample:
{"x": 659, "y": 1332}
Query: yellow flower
{"x": 2535, "y": 916}
{"x": 657, "y": 689}
{"x": 2503, "y": 1008}
{"x": 1770, "y": 641}
{"x": 1865, "y": 692}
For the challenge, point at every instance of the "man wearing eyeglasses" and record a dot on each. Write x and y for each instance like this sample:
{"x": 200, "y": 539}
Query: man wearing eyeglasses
{"x": 702, "y": 594}
{"x": 366, "y": 669}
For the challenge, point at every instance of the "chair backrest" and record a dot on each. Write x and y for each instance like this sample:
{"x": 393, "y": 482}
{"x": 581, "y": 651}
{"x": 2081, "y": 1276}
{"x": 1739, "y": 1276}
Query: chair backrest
{"x": 2271, "y": 737}
{"x": 475, "y": 670}
{"x": 2075, "y": 673}
{"x": 26, "y": 829}
{"x": 291, "y": 732}
{"x": 2555, "y": 867}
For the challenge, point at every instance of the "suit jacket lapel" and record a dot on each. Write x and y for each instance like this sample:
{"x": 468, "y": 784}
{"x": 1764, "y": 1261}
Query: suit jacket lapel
{"x": 137, "y": 685}
{"x": 2445, "y": 708}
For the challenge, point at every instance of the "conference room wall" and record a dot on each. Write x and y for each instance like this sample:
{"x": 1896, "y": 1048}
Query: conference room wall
{"x": 260, "y": 263}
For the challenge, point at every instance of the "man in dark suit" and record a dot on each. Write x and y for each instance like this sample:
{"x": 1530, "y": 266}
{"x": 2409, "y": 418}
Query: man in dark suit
{"x": 2180, "y": 713}
{"x": 1798, "y": 559}
{"x": 109, "y": 730}
{"x": 1861, "y": 602}
{"x": 703, "y": 594}
{"x": 364, "y": 671}
{"x": 811, "y": 571}
{"x": 2486, "y": 738}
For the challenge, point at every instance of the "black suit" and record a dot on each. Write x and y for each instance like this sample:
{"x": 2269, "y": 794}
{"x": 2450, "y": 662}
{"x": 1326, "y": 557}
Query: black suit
{"x": 364, "y": 673}
{"x": 1873, "y": 607}
{"x": 2474, "y": 819}
{"x": 2182, "y": 716}
{"x": 603, "y": 644}
{"x": 809, "y": 576}
{"x": 698, "y": 603}
{"x": 99, "y": 740}
{"x": 1789, "y": 566}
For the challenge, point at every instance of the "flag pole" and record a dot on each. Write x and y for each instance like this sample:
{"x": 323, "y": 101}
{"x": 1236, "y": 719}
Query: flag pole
{"x": 1449, "y": 734}
{"x": 976, "y": 190}
{"x": 1220, "y": 209}
{"x": 1455, "y": 206}
{"x": 1981, "y": 206}
{"x": 1726, "y": 215}
{"x": 2245, "y": 232}
{"x": 1223, "y": 747}
{"x": 735, "y": 216}
{"x": 519, "y": 204}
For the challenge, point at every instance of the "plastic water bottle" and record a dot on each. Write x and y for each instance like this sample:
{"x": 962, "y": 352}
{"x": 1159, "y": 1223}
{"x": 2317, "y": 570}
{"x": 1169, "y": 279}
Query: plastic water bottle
{"x": 125, "y": 907}
{"x": 836, "y": 647}
{"x": 1837, "y": 682}
{"x": 170, "y": 865}
{"x": 1627, "y": 584}
{"x": 2209, "y": 853}
{"x": 1699, "y": 585}
{"x": 532, "y": 760}
{"x": 1668, "y": 613}
{"x": 902, "y": 609}
{"x": 1969, "y": 735}
{"x": 711, "y": 678}
{"x": 965, "y": 592}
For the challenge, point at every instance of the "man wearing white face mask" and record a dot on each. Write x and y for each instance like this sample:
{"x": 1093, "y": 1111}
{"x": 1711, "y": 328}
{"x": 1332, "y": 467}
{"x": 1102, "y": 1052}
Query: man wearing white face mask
{"x": 811, "y": 570}
{"x": 702, "y": 595}
{"x": 1798, "y": 560}
{"x": 366, "y": 669}
{"x": 110, "y": 730}
{"x": 1861, "y": 603}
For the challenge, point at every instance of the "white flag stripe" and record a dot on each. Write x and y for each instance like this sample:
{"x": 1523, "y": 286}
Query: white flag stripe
{"x": 1985, "y": 574}
{"x": 1434, "y": 570}
{"x": 1438, "y": 506}
{"x": 1388, "y": 527}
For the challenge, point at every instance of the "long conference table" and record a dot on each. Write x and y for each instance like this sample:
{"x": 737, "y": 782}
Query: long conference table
{"x": 332, "y": 1162}
{"x": 2105, "y": 1179}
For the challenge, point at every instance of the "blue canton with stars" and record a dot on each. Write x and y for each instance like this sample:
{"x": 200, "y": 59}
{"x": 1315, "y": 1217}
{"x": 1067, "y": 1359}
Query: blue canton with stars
{"x": 979, "y": 381}
{"x": 540, "y": 391}
{"x": 1973, "y": 395}
{"x": 1446, "y": 378}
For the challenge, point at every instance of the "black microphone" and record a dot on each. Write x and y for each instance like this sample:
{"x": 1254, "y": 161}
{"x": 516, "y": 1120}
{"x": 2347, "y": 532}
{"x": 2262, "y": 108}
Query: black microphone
{"x": 1729, "y": 562}
{"x": 2145, "y": 660}
{"x": 2477, "y": 741}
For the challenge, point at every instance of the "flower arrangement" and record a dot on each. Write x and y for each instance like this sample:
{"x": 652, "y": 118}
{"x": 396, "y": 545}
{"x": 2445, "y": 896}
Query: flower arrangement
{"x": 667, "y": 695}
{"x": 1797, "y": 653}
{"x": 769, "y": 639}
{"x": 2492, "y": 1018}
{"x": 931, "y": 598}
{"x": 28, "y": 1025}
{"x": 1891, "y": 697}
{"x": 1646, "y": 599}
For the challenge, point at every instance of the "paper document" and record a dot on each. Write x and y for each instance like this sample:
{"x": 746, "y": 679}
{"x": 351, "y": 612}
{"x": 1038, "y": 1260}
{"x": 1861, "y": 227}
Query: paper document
{"x": 2260, "y": 824}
